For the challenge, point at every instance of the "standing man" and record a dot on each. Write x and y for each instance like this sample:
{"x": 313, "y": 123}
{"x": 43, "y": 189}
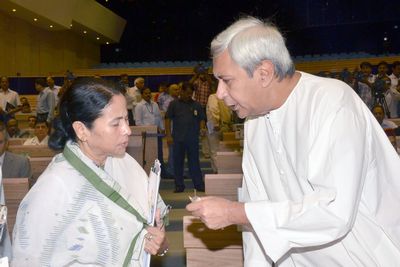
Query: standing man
{"x": 188, "y": 121}
{"x": 9, "y": 100}
{"x": 130, "y": 97}
{"x": 133, "y": 96}
{"x": 202, "y": 84}
{"x": 147, "y": 111}
{"x": 320, "y": 178}
{"x": 54, "y": 88}
{"x": 395, "y": 85}
{"x": 45, "y": 101}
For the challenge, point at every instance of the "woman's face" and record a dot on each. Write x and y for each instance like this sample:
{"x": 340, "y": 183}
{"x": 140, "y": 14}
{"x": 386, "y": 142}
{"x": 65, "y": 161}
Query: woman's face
{"x": 109, "y": 133}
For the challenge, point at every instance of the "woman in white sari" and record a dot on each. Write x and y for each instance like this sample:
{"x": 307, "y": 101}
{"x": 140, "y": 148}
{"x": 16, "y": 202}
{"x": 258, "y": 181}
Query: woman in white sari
{"x": 90, "y": 206}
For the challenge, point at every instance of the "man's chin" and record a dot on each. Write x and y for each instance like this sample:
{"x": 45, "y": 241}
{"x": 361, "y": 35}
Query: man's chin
{"x": 240, "y": 114}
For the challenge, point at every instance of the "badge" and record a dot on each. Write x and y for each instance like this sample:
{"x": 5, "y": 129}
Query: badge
{"x": 195, "y": 112}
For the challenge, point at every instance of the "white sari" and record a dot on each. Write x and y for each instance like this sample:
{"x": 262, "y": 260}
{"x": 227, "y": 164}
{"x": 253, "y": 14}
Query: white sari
{"x": 65, "y": 221}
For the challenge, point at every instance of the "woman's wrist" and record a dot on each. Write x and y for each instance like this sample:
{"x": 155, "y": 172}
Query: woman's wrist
{"x": 163, "y": 249}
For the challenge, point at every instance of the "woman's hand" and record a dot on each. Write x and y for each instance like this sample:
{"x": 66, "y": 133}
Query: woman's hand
{"x": 156, "y": 242}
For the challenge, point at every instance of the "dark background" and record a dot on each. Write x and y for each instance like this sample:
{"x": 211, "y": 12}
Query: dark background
{"x": 172, "y": 30}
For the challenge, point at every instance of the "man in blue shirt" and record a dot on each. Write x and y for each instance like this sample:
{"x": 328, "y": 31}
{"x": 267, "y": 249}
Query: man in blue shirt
{"x": 188, "y": 119}
{"x": 46, "y": 101}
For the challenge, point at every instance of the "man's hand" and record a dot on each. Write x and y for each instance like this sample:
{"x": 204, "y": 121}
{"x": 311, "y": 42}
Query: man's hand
{"x": 216, "y": 212}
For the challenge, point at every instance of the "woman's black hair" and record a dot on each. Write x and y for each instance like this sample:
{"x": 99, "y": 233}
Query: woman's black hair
{"x": 84, "y": 101}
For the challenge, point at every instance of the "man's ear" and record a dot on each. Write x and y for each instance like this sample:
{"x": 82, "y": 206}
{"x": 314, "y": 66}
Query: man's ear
{"x": 80, "y": 130}
{"x": 266, "y": 72}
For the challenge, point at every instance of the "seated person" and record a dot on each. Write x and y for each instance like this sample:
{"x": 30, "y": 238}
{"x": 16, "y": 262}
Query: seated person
{"x": 41, "y": 134}
{"x": 379, "y": 114}
{"x": 26, "y": 107}
{"x": 30, "y": 131}
{"x": 13, "y": 165}
{"x": 13, "y": 130}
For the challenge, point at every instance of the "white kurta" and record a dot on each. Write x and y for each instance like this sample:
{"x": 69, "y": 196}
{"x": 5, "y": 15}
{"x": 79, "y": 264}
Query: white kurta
{"x": 321, "y": 182}
{"x": 35, "y": 141}
{"x": 65, "y": 221}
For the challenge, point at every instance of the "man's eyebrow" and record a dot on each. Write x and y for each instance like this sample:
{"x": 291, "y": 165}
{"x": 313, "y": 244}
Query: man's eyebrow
{"x": 220, "y": 76}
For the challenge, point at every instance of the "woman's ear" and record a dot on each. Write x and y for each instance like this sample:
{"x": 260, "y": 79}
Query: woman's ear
{"x": 80, "y": 130}
{"x": 266, "y": 71}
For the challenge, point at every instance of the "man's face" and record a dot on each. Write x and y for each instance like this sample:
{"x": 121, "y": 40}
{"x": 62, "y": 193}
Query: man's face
{"x": 12, "y": 127}
{"x": 241, "y": 93}
{"x": 50, "y": 81}
{"x": 38, "y": 87}
{"x": 3, "y": 143}
{"x": 366, "y": 70}
{"x": 379, "y": 114}
{"x": 31, "y": 122}
{"x": 396, "y": 70}
{"x": 186, "y": 95}
{"x": 140, "y": 84}
{"x": 146, "y": 95}
{"x": 174, "y": 90}
{"x": 382, "y": 69}
{"x": 125, "y": 79}
{"x": 4, "y": 83}
{"x": 41, "y": 130}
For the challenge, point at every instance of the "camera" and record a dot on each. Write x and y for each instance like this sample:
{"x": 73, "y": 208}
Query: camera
{"x": 199, "y": 69}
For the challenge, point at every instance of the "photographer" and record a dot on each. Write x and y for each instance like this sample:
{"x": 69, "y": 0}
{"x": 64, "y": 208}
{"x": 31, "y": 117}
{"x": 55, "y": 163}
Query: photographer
{"x": 202, "y": 89}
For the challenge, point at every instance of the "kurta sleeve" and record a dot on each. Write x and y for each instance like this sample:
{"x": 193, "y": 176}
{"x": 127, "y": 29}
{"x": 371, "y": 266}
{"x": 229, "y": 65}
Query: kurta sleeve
{"x": 327, "y": 212}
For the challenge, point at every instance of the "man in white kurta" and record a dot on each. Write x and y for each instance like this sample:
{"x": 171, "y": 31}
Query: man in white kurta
{"x": 65, "y": 221}
{"x": 302, "y": 177}
{"x": 321, "y": 180}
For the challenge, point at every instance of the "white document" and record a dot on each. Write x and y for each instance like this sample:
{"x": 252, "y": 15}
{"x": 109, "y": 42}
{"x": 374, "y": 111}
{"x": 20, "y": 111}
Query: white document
{"x": 153, "y": 189}
{"x": 4, "y": 262}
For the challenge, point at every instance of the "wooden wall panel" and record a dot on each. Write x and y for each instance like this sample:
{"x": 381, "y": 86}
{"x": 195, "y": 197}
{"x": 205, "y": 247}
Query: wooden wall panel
{"x": 33, "y": 51}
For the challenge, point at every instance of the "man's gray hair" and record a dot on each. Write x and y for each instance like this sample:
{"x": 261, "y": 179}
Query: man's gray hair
{"x": 250, "y": 41}
{"x": 138, "y": 80}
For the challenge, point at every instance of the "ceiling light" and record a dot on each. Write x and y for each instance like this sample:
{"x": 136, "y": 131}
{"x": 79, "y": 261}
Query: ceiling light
{"x": 51, "y": 26}
{"x": 97, "y": 38}
{"x": 35, "y": 19}
{"x": 14, "y": 10}
{"x": 70, "y": 25}
{"x": 84, "y": 32}
{"x": 107, "y": 43}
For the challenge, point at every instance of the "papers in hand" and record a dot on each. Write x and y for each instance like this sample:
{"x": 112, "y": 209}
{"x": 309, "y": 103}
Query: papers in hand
{"x": 153, "y": 187}
{"x": 9, "y": 107}
{"x": 4, "y": 262}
